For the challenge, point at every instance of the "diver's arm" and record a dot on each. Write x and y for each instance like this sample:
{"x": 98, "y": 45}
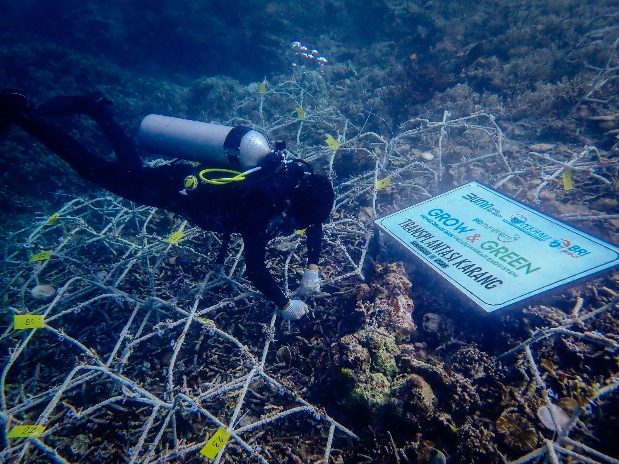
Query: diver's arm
{"x": 314, "y": 241}
{"x": 257, "y": 271}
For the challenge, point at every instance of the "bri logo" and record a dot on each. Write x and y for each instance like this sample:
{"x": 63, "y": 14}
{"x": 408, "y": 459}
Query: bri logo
{"x": 565, "y": 246}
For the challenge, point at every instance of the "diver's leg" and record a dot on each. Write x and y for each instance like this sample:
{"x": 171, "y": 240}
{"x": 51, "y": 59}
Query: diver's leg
{"x": 124, "y": 146}
{"x": 70, "y": 150}
{"x": 99, "y": 109}
{"x": 157, "y": 187}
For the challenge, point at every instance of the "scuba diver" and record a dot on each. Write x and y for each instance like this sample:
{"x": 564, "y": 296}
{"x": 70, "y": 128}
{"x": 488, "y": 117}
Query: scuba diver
{"x": 272, "y": 196}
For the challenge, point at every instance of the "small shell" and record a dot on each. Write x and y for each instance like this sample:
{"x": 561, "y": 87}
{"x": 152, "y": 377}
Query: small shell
{"x": 541, "y": 147}
{"x": 603, "y": 117}
{"x": 557, "y": 420}
{"x": 43, "y": 292}
{"x": 427, "y": 155}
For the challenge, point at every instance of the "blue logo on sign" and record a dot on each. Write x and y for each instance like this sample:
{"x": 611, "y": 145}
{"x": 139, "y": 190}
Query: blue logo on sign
{"x": 518, "y": 219}
{"x": 570, "y": 249}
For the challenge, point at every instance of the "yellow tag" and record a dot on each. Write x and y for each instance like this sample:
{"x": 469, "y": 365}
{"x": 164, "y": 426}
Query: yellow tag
{"x": 262, "y": 87}
{"x": 333, "y": 144}
{"x": 382, "y": 183}
{"x": 52, "y": 219}
{"x": 215, "y": 444}
{"x": 300, "y": 231}
{"x": 41, "y": 256}
{"x": 175, "y": 237}
{"x": 24, "y": 431}
{"x": 300, "y": 112}
{"x": 568, "y": 182}
{"x": 28, "y": 321}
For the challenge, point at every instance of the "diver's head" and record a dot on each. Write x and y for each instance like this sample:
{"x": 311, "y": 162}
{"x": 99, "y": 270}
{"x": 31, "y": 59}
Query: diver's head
{"x": 312, "y": 199}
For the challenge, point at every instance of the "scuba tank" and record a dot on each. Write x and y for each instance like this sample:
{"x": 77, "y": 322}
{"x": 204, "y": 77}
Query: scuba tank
{"x": 211, "y": 144}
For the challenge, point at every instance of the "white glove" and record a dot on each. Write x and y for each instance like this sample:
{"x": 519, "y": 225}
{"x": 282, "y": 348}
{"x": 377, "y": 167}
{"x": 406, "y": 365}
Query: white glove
{"x": 295, "y": 309}
{"x": 310, "y": 283}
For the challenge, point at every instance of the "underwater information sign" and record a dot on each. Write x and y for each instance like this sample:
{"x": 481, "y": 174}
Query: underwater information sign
{"x": 494, "y": 249}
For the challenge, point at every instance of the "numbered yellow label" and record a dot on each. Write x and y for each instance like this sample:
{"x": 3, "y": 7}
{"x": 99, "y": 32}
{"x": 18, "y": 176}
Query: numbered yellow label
{"x": 52, "y": 219}
{"x": 332, "y": 143}
{"x": 175, "y": 237}
{"x": 28, "y": 321}
{"x": 300, "y": 231}
{"x": 215, "y": 444}
{"x": 300, "y": 112}
{"x": 41, "y": 256}
{"x": 25, "y": 431}
{"x": 382, "y": 183}
{"x": 262, "y": 87}
{"x": 568, "y": 181}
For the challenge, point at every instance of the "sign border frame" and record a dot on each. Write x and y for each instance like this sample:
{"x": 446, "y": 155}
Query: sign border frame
{"x": 538, "y": 290}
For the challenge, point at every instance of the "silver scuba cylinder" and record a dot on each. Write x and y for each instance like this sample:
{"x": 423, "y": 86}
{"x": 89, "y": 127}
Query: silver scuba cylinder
{"x": 212, "y": 144}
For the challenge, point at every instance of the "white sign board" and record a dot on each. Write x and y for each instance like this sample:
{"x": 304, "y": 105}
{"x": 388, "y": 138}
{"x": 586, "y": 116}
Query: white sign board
{"x": 492, "y": 248}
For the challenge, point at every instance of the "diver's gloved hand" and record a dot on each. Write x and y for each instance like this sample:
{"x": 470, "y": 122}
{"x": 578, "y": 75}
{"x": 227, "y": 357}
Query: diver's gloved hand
{"x": 310, "y": 282}
{"x": 295, "y": 309}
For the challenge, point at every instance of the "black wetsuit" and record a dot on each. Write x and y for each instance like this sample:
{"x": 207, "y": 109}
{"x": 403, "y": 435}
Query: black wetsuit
{"x": 257, "y": 208}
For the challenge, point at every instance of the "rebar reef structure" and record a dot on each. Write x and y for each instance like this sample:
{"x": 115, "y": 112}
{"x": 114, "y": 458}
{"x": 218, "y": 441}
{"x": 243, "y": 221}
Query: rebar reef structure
{"x": 148, "y": 348}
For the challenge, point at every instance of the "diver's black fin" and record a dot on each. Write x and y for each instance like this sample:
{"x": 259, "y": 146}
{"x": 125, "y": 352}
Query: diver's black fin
{"x": 67, "y": 105}
{"x": 12, "y": 102}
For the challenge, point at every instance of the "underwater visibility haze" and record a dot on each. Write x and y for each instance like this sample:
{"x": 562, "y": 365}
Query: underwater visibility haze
{"x": 198, "y": 258}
